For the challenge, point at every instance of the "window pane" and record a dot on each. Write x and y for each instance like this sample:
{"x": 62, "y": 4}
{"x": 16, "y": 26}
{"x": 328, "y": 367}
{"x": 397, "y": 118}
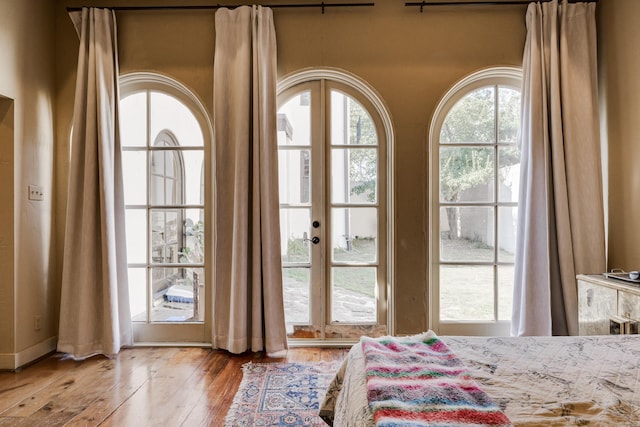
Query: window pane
{"x": 177, "y": 236}
{"x": 466, "y": 234}
{"x": 466, "y": 293}
{"x": 134, "y": 169}
{"x": 176, "y": 177}
{"x": 133, "y": 120}
{"x": 295, "y": 233}
{"x": 166, "y": 235}
{"x": 136, "y": 226}
{"x": 508, "y": 173}
{"x": 354, "y": 175}
{"x": 169, "y": 114}
{"x": 164, "y": 184}
{"x": 507, "y": 223}
{"x": 294, "y": 174}
{"x": 354, "y": 234}
{"x": 193, "y": 169}
{"x": 353, "y": 294}
{"x": 508, "y": 115}
{"x": 192, "y": 251}
{"x": 472, "y": 119}
{"x": 466, "y": 174}
{"x": 178, "y": 295}
{"x": 296, "y": 283}
{"x": 294, "y": 120}
{"x": 138, "y": 294}
{"x": 350, "y": 122}
{"x": 157, "y": 196}
{"x": 505, "y": 291}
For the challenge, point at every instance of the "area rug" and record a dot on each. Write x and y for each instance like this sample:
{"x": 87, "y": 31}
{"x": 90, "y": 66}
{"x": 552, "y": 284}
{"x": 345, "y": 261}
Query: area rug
{"x": 280, "y": 394}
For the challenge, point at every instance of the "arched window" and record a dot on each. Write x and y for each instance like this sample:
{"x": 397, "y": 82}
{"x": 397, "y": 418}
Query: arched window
{"x": 474, "y": 192}
{"x": 164, "y": 134}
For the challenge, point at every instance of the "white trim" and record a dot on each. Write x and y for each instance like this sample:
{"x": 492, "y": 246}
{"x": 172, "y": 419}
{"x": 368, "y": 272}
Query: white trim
{"x": 13, "y": 361}
{"x": 357, "y": 83}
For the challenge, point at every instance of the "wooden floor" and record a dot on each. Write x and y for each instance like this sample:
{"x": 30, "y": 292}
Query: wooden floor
{"x": 140, "y": 387}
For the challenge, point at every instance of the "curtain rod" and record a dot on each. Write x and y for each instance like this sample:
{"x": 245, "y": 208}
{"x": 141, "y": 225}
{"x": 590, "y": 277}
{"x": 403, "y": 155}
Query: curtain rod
{"x": 422, "y": 4}
{"x": 321, "y": 5}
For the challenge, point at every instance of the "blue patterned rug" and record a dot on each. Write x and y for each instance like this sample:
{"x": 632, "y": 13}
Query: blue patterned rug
{"x": 280, "y": 394}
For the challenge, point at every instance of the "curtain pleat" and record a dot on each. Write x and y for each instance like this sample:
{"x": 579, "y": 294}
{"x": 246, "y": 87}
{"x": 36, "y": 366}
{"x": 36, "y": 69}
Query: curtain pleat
{"x": 561, "y": 210}
{"x": 248, "y": 300}
{"x": 94, "y": 301}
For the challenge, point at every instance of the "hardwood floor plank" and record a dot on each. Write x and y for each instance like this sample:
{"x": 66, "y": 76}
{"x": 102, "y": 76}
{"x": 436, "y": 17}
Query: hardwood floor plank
{"x": 223, "y": 388}
{"x": 129, "y": 380}
{"x": 42, "y": 397}
{"x": 303, "y": 354}
{"x": 17, "y": 386}
{"x": 63, "y": 401}
{"x": 202, "y": 413}
{"x": 140, "y": 387}
{"x": 334, "y": 354}
{"x": 169, "y": 395}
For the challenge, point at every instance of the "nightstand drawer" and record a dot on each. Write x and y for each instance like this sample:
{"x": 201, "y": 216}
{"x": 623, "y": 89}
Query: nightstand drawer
{"x": 628, "y": 305}
{"x": 596, "y": 304}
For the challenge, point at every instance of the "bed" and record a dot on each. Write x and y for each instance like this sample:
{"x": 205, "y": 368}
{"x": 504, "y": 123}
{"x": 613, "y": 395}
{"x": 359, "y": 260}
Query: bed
{"x": 535, "y": 381}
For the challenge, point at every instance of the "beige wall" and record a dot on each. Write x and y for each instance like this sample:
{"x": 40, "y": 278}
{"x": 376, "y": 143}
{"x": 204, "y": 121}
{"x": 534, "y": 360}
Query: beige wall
{"x": 619, "y": 38}
{"x": 410, "y": 58}
{"x": 27, "y": 285}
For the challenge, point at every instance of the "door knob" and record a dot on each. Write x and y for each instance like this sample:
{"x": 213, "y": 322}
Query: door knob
{"x": 315, "y": 224}
{"x": 315, "y": 240}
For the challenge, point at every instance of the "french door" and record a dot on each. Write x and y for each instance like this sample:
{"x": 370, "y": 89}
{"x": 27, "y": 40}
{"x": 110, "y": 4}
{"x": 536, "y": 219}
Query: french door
{"x": 332, "y": 168}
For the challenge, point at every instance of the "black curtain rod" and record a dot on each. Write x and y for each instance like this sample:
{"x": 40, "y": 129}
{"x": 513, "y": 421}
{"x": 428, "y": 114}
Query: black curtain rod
{"x": 321, "y": 5}
{"x": 422, "y": 4}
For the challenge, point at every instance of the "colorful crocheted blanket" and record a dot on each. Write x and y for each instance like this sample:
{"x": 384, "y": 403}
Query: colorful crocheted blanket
{"x": 418, "y": 381}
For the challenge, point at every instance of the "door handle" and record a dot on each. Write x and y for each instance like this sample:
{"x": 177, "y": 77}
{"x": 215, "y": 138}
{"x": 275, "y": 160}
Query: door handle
{"x": 315, "y": 240}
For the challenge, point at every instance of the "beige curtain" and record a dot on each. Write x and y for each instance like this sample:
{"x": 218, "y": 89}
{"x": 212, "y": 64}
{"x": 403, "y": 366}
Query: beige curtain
{"x": 94, "y": 301}
{"x": 561, "y": 219}
{"x": 248, "y": 302}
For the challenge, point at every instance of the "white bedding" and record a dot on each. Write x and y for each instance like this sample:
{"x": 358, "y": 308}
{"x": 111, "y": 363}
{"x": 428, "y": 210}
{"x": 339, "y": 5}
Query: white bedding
{"x": 536, "y": 381}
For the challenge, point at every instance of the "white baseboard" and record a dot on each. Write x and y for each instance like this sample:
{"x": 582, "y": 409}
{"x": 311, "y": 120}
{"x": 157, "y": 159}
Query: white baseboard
{"x": 13, "y": 361}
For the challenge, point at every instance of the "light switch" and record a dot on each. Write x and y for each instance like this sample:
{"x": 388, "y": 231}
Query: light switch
{"x": 35, "y": 192}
